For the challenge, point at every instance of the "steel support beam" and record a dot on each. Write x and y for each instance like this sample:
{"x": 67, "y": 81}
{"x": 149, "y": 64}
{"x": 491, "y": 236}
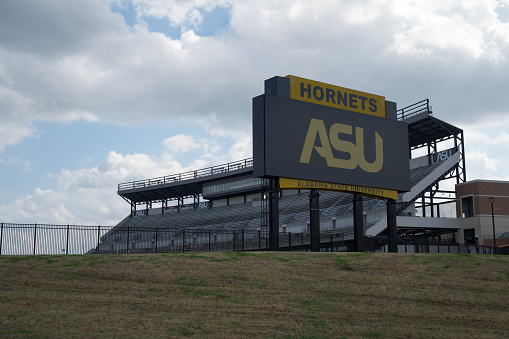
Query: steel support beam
{"x": 314, "y": 219}
{"x": 392, "y": 226}
{"x": 273, "y": 215}
{"x": 358, "y": 223}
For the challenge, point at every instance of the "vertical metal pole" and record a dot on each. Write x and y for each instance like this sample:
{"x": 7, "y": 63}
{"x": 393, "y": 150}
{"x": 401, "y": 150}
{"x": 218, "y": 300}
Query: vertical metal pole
{"x": 273, "y": 215}
{"x": 156, "y": 239}
{"x": 424, "y": 240}
{"x": 392, "y": 226}
{"x": 260, "y": 239}
{"x": 242, "y": 239}
{"x": 358, "y": 223}
{"x": 67, "y": 242}
{"x": 463, "y": 158}
{"x": 35, "y": 236}
{"x": 1, "y": 237}
{"x": 290, "y": 241}
{"x": 314, "y": 219}
{"x": 429, "y": 154}
{"x": 331, "y": 243}
{"x": 423, "y": 197}
{"x": 183, "y": 239}
{"x": 492, "y": 200}
{"x": 209, "y": 240}
{"x": 98, "y": 238}
{"x": 233, "y": 250}
{"x": 431, "y": 195}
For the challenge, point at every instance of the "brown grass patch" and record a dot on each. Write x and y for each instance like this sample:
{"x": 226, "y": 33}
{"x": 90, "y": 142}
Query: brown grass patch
{"x": 275, "y": 295}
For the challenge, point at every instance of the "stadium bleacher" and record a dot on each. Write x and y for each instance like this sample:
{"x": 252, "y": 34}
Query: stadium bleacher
{"x": 425, "y": 131}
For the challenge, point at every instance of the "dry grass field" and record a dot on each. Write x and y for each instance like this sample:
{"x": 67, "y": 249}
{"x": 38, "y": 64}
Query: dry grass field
{"x": 255, "y": 295}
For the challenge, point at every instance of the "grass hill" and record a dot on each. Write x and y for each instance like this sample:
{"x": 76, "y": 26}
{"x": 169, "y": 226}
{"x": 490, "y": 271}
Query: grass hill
{"x": 246, "y": 295}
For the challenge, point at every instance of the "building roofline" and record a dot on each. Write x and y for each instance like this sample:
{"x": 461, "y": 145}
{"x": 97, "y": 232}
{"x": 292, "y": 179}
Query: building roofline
{"x": 482, "y": 180}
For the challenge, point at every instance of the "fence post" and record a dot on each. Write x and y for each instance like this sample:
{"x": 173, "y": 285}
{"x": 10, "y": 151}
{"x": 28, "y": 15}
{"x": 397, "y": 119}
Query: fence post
{"x": 259, "y": 240}
{"x": 35, "y": 236}
{"x": 98, "y": 238}
{"x": 183, "y": 240}
{"x": 1, "y": 237}
{"x": 209, "y": 240}
{"x": 290, "y": 241}
{"x": 331, "y": 243}
{"x": 67, "y": 241}
{"x": 233, "y": 241}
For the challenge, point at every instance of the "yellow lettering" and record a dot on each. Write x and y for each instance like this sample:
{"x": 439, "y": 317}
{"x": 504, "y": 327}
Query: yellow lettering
{"x": 356, "y": 151}
{"x": 316, "y": 127}
{"x": 376, "y": 165}
{"x": 344, "y": 146}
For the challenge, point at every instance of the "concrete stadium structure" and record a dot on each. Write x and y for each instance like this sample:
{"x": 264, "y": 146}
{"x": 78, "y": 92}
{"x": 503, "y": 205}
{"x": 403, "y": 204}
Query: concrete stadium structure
{"x": 227, "y": 198}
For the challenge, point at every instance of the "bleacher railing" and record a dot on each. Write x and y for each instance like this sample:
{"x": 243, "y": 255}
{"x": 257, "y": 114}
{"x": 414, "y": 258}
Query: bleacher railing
{"x": 43, "y": 239}
{"x": 415, "y": 109}
{"x": 204, "y": 172}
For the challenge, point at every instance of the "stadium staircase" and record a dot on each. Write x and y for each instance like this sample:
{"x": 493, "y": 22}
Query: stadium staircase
{"x": 422, "y": 179}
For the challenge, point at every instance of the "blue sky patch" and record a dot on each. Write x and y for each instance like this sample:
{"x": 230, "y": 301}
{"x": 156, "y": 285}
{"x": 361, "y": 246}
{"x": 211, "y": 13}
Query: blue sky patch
{"x": 218, "y": 18}
{"x": 83, "y": 144}
{"x": 213, "y": 21}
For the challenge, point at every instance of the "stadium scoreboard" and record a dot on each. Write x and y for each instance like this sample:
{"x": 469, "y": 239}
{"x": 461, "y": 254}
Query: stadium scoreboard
{"x": 309, "y": 132}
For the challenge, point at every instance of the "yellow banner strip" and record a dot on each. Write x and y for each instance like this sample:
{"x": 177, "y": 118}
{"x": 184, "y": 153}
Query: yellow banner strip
{"x": 329, "y": 186}
{"x": 338, "y": 97}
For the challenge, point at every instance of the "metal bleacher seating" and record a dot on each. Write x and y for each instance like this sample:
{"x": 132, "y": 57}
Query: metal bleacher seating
{"x": 247, "y": 216}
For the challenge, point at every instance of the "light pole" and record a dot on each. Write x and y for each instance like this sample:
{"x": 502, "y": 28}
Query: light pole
{"x": 492, "y": 200}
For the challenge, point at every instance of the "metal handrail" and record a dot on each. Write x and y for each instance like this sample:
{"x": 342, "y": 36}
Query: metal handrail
{"x": 417, "y": 108}
{"x": 224, "y": 168}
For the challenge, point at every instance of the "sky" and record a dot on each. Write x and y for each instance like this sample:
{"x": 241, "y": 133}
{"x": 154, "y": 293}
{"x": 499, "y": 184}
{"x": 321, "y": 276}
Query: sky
{"x": 94, "y": 93}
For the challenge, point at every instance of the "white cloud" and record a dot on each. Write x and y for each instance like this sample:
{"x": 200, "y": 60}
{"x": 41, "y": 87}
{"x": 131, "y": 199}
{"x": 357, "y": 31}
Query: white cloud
{"x": 482, "y": 165}
{"x": 14, "y": 132}
{"x": 443, "y": 28}
{"x": 88, "y": 196}
{"x": 43, "y": 206}
{"x": 181, "y": 143}
{"x": 63, "y": 67}
{"x": 475, "y": 137}
{"x": 242, "y": 147}
{"x": 487, "y": 147}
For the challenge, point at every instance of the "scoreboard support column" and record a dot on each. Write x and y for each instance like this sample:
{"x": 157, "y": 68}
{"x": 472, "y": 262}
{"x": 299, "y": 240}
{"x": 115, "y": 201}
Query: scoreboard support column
{"x": 358, "y": 223}
{"x": 314, "y": 219}
{"x": 273, "y": 215}
{"x": 391, "y": 226}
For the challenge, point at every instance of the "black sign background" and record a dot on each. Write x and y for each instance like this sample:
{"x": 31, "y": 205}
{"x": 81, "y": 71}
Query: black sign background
{"x": 280, "y": 126}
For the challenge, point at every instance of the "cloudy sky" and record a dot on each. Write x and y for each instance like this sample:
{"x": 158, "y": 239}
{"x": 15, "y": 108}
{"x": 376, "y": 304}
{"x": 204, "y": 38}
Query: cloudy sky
{"x": 98, "y": 92}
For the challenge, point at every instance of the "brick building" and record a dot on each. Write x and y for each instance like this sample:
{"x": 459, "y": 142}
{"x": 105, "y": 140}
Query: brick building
{"x": 473, "y": 209}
